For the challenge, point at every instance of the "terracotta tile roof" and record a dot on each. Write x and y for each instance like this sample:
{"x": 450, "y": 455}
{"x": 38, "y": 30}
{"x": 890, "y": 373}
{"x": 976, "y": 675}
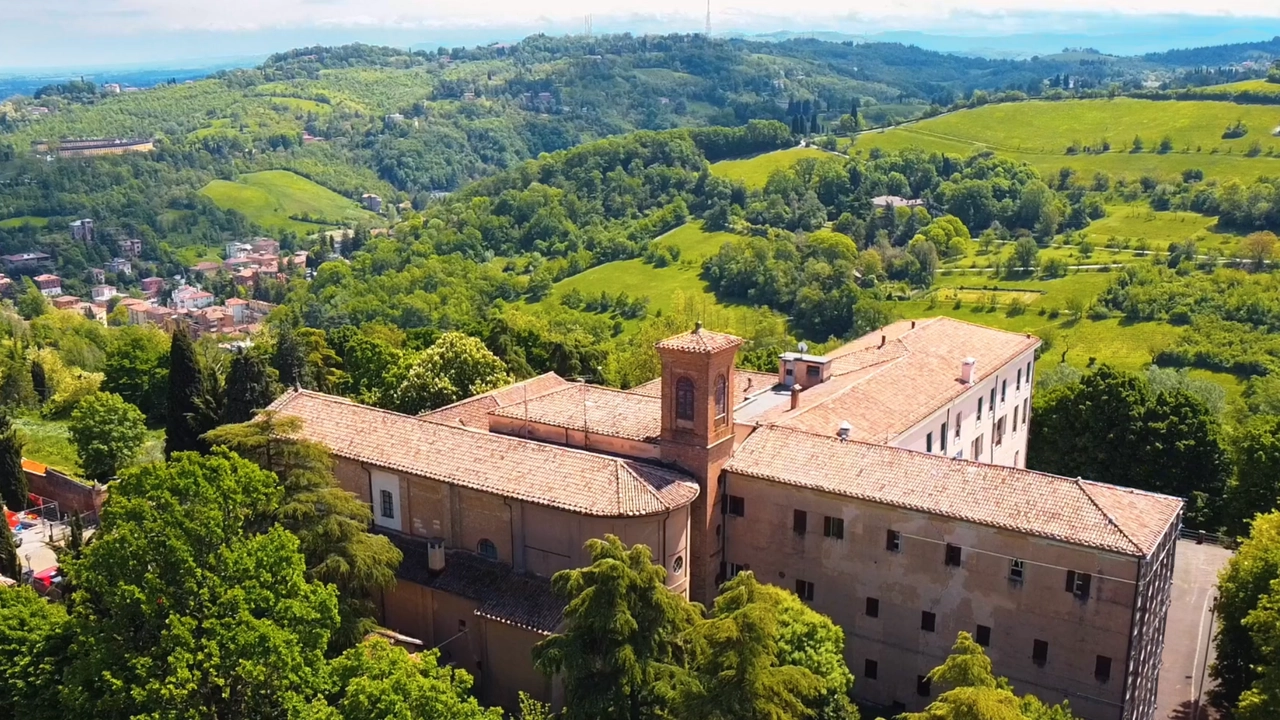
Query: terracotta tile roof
{"x": 559, "y": 477}
{"x": 1080, "y": 512}
{"x": 520, "y": 599}
{"x": 700, "y": 341}
{"x": 592, "y": 408}
{"x": 474, "y": 411}
{"x": 745, "y": 384}
{"x": 883, "y": 390}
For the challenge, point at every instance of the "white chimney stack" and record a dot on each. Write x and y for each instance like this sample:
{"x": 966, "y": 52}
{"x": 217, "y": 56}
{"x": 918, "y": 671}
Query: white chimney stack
{"x": 435, "y": 555}
{"x": 966, "y": 371}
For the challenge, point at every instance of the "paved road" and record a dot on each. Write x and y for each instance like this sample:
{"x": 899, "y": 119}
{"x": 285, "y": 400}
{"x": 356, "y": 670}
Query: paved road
{"x": 35, "y": 553}
{"x": 1187, "y": 650}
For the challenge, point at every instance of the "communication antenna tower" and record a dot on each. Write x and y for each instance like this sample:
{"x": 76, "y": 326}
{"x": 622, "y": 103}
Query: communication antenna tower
{"x": 587, "y": 21}
{"x": 708, "y": 30}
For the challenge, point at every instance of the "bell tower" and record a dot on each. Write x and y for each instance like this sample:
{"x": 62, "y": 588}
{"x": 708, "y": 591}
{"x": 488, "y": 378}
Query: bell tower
{"x": 697, "y": 436}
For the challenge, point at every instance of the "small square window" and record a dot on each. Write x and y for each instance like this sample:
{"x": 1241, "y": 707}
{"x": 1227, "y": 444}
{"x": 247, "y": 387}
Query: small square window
{"x": 923, "y": 685}
{"x": 735, "y": 569}
{"x": 873, "y": 607}
{"x": 928, "y": 621}
{"x": 833, "y": 527}
{"x": 1102, "y": 668}
{"x": 953, "y": 555}
{"x": 870, "y": 668}
{"x": 734, "y": 505}
{"x": 1078, "y": 584}
{"x": 1040, "y": 652}
{"x": 893, "y": 541}
{"x": 804, "y": 589}
{"x": 388, "y": 504}
{"x": 1016, "y": 570}
{"x": 983, "y": 636}
{"x": 800, "y": 522}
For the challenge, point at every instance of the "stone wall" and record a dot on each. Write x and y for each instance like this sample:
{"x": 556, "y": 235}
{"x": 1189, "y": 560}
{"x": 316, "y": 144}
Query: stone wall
{"x": 71, "y": 495}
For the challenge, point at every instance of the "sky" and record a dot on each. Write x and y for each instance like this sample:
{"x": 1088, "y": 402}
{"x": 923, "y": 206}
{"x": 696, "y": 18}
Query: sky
{"x": 63, "y": 33}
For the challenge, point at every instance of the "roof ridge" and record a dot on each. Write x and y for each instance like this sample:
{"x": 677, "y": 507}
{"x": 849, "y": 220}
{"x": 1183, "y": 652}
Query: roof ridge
{"x": 885, "y": 365}
{"x": 1079, "y": 482}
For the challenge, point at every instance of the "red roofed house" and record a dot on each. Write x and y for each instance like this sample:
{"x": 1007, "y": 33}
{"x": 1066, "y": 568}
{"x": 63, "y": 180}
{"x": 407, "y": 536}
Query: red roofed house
{"x": 882, "y": 482}
{"x": 50, "y": 285}
{"x": 152, "y": 286}
{"x": 64, "y": 302}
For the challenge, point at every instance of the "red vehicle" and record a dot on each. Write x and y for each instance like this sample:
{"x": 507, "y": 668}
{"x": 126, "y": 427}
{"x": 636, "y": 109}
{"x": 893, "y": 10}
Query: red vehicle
{"x": 47, "y": 580}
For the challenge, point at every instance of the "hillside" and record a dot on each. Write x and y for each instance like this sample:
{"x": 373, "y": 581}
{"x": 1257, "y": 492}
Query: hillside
{"x": 279, "y": 200}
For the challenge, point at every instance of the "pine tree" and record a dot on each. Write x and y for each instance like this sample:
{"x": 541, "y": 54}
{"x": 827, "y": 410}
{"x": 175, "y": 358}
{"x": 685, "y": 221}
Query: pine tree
{"x": 854, "y": 112}
{"x": 186, "y": 390}
{"x": 13, "y": 479}
{"x": 289, "y": 359}
{"x": 39, "y": 382}
{"x": 813, "y": 125}
{"x": 15, "y": 385}
{"x": 250, "y": 388}
{"x": 9, "y": 566}
{"x": 75, "y": 534}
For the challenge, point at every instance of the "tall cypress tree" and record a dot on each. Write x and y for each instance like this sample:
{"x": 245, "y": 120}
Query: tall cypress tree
{"x": 9, "y": 566}
{"x": 813, "y": 124}
{"x": 186, "y": 388}
{"x": 249, "y": 388}
{"x": 39, "y": 382}
{"x": 13, "y": 479}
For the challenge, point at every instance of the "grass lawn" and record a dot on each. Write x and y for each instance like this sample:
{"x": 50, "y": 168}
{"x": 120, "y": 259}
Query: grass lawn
{"x": 1260, "y": 86}
{"x": 754, "y": 171}
{"x": 48, "y": 442}
{"x": 271, "y": 197}
{"x": 17, "y": 222}
{"x": 1131, "y": 222}
{"x": 1039, "y": 133}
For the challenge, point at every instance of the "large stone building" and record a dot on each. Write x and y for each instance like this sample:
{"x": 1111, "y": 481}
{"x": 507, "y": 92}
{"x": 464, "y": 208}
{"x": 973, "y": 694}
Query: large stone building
{"x": 882, "y": 482}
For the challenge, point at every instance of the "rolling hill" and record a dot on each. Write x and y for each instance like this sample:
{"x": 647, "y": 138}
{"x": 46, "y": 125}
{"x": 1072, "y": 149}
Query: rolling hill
{"x": 278, "y": 199}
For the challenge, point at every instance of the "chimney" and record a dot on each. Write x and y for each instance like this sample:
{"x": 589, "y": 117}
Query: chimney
{"x": 795, "y": 395}
{"x": 845, "y": 429}
{"x": 435, "y": 555}
{"x": 697, "y": 329}
{"x": 966, "y": 371}
{"x": 913, "y": 324}
{"x": 883, "y": 339}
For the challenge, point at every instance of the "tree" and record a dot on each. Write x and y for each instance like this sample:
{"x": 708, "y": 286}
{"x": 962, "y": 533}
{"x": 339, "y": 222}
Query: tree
{"x": 1260, "y": 247}
{"x": 1137, "y": 144}
{"x": 813, "y": 125}
{"x": 13, "y": 479}
{"x": 137, "y": 369}
{"x": 1024, "y": 254}
{"x": 107, "y": 433}
{"x": 456, "y": 366}
{"x": 39, "y": 383}
{"x": 33, "y": 642}
{"x": 186, "y": 391}
{"x": 250, "y": 388}
{"x": 624, "y": 635}
{"x": 1112, "y": 427}
{"x": 331, "y": 524}
{"x": 1255, "y": 488}
{"x": 189, "y": 603}
{"x": 1166, "y": 145}
{"x": 288, "y": 356}
{"x": 32, "y": 303}
{"x": 1245, "y": 649}
{"x": 15, "y": 378}
{"x": 10, "y": 566}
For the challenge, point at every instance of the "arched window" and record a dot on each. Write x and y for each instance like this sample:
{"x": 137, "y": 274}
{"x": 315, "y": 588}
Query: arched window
{"x": 487, "y": 549}
{"x": 722, "y": 400}
{"x": 684, "y": 399}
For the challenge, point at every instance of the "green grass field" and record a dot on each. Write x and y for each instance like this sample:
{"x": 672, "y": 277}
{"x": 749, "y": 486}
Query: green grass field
{"x": 17, "y": 222}
{"x": 271, "y": 197}
{"x": 48, "y": 442}
{"x": 754, "y": 171}
{"x": 1260, "y": 86}
{"x": 1040, "y": 132}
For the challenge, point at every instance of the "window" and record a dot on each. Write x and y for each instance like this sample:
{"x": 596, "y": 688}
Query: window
{"x": 735, "y": 568}
{"x": 1015, "y": 459}
{"x": 979, "y": 418}
{"x": 998, "y": 437}
{"x": 1004, "y": 390}
{"x": 958, "y": 416}
{"x": 1040, "y": 652}
{"x": 983, "y": 636}
{"x": 898, "y": 707}
{"x": 977, "y": 448}
{"x": 804, "y": 589}
{"x": 1078, "y": 584}
{"x": 1028, "y": 373}
{"x": 893, "y": 541}
{"x": 486, "y": 548}
{"x": 873, "y": 607}
{"x": 722, "y": 400}
{"x": 922, "y": 685}
{"x": 684, "y": 399}
{"x": 1018, "y": 384}
{"x": 928, "y": 442}
{"x": 1016, "y": 570}
{"x": 869, "y": 669}
{"x": 813, "y": 374}
{"x": 388, "y": 504}
{"x": 1102, "y": 668}
{"x": 800, "y": 522}
{"x": 993, "y": 400}
{"x": 942, "y": 437}
{"x": 677, "y": 565}
{"x": 952, "y": 557}
{"x": 1015, "y": 419}
{"x": 734, "y": 505}
{"x": 928, "y": 621}
{"x": 833, "y": 527}
{"x": 1026, "y": 410}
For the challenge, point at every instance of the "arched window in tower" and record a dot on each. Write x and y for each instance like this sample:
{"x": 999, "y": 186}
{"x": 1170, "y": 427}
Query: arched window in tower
{"x": 684, "y": 399}
{"x": 722, "y": 400}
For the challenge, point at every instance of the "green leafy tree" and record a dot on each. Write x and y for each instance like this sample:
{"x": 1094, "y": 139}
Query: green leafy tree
{"x": 184, "y": 398}
{"x": 13, "y": 479}
{"x": 189, "y": 603}
{"x": 33, "y": 644}
{"x": 1245, "y": 585}
{"x": 1113, "y": 427}
{"x": 39, "y": 382}
{"x": 107, "y": 433}
{"x": 32, "y": 303}
{"x": 250, "y": 387}
{"x": 456, "y": 366}
{"x": 137, "y": 368}
{"x": 10, "y": 566}
{"x": 1255, "y": 487}
{"x": 624, "y": 636}
{"x": 15, "y": 378}
{"x": 1024, "y": 254}
{"x": 331, "y": 524}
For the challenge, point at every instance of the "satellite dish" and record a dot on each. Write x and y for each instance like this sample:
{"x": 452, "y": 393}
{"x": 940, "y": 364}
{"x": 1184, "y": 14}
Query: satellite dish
{"x": 804, "y": 347}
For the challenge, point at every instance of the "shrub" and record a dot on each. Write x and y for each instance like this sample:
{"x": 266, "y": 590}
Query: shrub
{"x": 1098, "y": 312}
{"x": 1235, "y": 130}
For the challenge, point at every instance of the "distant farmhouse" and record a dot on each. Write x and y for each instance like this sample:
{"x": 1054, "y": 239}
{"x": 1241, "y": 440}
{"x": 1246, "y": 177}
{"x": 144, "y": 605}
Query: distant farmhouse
{"x": 93, "y": 146}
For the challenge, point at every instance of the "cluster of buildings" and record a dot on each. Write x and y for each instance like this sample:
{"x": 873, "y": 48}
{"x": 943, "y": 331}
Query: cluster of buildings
{"x": 883, "y": 482}
{"x": 92, "y": 147}
{"x": 250, "y": 262}
{"x": 193, "y": 309}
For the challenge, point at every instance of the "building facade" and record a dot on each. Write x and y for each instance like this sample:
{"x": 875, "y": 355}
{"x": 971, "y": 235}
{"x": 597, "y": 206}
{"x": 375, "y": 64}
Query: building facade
{"x": 889, "y": 493}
